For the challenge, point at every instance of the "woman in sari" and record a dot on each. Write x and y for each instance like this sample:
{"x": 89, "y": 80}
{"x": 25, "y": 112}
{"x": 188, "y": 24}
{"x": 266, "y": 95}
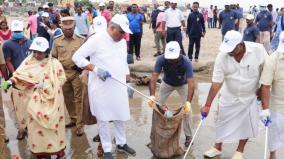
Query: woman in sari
{"x": 40, "y": 77}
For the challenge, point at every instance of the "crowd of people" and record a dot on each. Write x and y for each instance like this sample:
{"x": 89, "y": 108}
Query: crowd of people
{"x": 44, "y": 74}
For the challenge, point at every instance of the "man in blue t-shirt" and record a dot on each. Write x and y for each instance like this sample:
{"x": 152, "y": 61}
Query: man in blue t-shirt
{"x": 135, "y": 23}
{"x": 15, "y": 51}
{"x": 228, "y": 20}
{"x": 251, "y": 32}
{"x": 178, "y": 75}
{"x": 264, "y": 22}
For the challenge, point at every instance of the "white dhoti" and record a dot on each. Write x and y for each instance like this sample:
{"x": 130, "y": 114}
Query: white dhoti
{"x": 236, "y": 121}
{"x": 276, "y": 131}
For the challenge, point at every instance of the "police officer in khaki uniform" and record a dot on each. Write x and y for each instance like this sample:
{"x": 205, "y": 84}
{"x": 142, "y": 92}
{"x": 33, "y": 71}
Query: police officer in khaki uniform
{"x": 2, "y": 119}
{"x": 63, "y": 49}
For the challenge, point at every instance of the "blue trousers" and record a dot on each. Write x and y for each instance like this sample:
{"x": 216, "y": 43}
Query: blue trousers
{"x": 174, "y": 34}
{"x": 194, "y": 41}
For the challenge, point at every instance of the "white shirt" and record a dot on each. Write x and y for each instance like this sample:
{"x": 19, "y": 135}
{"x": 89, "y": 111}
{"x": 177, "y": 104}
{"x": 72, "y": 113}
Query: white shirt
{"x": 210, "y": 13}
{"x": 173, "y": 18}
{"x": 240, "y": 80}
{"x": 108, "y": 99}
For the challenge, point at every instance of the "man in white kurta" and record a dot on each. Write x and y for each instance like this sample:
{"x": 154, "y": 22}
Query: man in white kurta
{"x": 272, "y": 94}
{"x": 108, "y": 98}
{"x": 236, "y": 73}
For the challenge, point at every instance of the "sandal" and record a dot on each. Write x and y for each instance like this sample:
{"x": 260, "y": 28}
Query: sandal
{"x": 61, "y": 155}
{"x": 80, "y": 131}
{"x": 100, "y": 151}
{"x": 21, "y": 134}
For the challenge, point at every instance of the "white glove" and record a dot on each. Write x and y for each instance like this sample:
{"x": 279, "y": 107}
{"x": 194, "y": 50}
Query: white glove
{"x": 265, "y": 117}
{"x": 39, "y": 85}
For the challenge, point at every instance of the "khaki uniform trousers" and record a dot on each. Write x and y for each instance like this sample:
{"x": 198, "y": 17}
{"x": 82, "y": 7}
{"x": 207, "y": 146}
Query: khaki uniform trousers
{"x": 72, "y": 90}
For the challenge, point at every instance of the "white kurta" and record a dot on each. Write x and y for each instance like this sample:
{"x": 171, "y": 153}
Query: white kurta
{"x": 109, "y": 99}
{"x": 238, "y": 108}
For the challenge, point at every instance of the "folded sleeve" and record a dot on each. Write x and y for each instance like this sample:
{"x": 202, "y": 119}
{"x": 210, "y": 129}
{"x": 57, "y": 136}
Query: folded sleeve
{"x": 268, "y": 71}
{"x": 218, "y": 72}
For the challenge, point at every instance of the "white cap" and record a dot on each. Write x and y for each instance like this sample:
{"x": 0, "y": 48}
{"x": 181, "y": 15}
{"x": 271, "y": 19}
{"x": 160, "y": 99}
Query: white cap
{"x": 99, "y": 24}
{"x": 102, "y": 4}
{"x": 45, "y": 14}
{"x": 161, "y": 8}
{"x": 231, "y": 40}
{"x": 45, "y": 6}
{"x": 172, "y": 50}
{"x": 281, "y": 43}
{"x": 250, "y": 17}
{"x": 123, "y": 22}
{"x": 39, "y": 44}
{"x": 17, "y": 25}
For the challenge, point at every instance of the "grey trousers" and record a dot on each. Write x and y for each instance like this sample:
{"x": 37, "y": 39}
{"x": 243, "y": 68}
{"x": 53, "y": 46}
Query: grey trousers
{"x": 165, "y": 91}
{"x": 159, "y": 37}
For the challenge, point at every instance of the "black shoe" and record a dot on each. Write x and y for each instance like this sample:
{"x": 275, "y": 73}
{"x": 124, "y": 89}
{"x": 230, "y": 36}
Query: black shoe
{"x": 126, "y": 149}
{"x": 108, "y": 155}
{"x": 97, "y": 138}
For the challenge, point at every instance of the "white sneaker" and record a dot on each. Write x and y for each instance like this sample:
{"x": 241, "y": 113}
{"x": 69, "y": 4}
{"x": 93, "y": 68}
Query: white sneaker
{"x": 213, "y": 152}
{"x": 238, "y": 155}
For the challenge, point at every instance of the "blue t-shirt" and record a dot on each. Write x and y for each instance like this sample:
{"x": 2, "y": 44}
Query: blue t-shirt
{"x": 95, "y": 13}
{"x": 16, "y": 51}
{"x": 240, "y": 13}
{"x": 227, "y": 19}
{"x": 251, "y": 32}
{"x": 135, "y": 21}
{"x": 263, "y": 20}
{"x": 174, "y": 74}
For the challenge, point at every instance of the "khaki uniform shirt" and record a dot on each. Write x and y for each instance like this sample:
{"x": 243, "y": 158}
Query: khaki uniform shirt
{"x": 273, "y": 75}
{"x": 63, "y": 49}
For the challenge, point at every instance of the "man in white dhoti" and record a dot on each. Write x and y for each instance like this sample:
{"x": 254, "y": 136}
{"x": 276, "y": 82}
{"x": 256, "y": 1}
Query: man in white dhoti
{"x": 236, "y": 72}
{"x": 108, "y": 98}
{"x": 272, "y": 79}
